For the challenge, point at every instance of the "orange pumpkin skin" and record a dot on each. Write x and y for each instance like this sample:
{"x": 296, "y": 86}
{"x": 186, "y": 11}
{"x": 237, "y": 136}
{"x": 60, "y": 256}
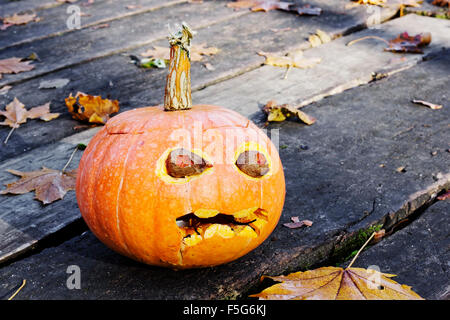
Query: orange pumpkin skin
{"x": 132, "y": 207}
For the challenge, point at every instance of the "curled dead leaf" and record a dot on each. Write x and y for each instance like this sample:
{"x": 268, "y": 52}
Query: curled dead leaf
{"x": 279, "y": 113}
{"x": 94, "y": 109}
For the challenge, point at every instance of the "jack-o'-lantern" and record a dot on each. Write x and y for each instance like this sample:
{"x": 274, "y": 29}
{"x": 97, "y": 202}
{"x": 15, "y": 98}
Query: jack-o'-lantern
{"x": 181, "y": 186}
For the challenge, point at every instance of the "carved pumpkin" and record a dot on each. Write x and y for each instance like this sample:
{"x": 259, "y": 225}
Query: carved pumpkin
{"x": 181, "y": 186}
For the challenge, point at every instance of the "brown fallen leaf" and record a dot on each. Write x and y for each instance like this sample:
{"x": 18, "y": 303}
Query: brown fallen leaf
{"x": 405, "y": 43}
{"x": 49, "y": 185}
{"x": 428, "y": 104}
{"x": 334, "y": 283}
{"x": 89, "y": 108}
{"x": 296, "y": 223}
{"x": 18, "y": 19}
{"x": 282, "y": 112}
{"x": 14, "y": 65}
{"x": 15, "y": 114}
{"x": 444, "y": 196}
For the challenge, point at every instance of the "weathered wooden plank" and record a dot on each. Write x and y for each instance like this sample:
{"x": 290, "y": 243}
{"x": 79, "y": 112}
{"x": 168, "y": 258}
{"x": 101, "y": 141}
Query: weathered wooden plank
{"x": 92, "y": 43}
{"x": 342, "y": 67}
{"x": 337, "y": 183}
{"x": 135, "y": 87}
{"x": 238, "y": 96}
{"x": 56, "y": 20}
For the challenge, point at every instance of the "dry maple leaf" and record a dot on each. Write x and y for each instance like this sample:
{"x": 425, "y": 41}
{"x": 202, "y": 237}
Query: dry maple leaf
{"x": 49, "y": 185}
{"x": 333, "y": 283}
{"x": 14, "y": 65}
{"x": 410, "y": 44}
{"x": 16, "y": 114}
{"x": 296, "y": 223}
{"x": 94, "y": 109}
{"x": 18, "y": 19}
{"x": 282, "y": 112}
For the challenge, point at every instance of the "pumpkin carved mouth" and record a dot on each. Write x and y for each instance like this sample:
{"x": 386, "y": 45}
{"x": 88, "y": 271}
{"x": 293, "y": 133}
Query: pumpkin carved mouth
{"x": 206, "y": 223}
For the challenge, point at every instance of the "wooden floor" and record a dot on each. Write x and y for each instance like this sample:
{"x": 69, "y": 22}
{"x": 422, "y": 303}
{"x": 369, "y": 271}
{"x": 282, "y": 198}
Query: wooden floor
{"x": 97, "y": 61}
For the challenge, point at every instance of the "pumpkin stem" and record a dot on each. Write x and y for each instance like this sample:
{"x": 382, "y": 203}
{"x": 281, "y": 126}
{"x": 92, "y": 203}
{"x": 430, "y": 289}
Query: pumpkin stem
{"x": 178, "y": 85}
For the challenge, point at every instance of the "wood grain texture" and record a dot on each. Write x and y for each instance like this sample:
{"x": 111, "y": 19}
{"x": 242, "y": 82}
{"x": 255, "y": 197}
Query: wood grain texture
{"x": 56, "y": 18}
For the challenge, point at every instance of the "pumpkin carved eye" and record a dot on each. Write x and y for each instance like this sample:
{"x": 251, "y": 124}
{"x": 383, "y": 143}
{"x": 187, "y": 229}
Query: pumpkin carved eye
{"x": 182, "y": 163}
{"x": 253, "y": 163}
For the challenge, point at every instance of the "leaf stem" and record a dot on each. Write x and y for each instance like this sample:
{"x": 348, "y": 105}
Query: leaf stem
{"x": 367, "y": 37}
{"x": 70, "y": 159}
{"x": 24, "y": 282}
{"x": 359, "y": 251}
{"x": 9, "y": 135}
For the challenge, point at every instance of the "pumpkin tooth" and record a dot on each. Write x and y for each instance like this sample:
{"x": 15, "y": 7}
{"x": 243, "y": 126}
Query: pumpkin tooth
{"x": 192, "y": 240}
{"x": 258, "y": 225}
{"x": 245, "y": 231}
{"x": 245, "y": 215}
{"x": 261, "y": 214}
{"x": 206, "y": 213}
{"x": 224, "y": 231}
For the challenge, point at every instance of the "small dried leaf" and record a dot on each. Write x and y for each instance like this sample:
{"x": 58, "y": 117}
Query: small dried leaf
{"x": 89, "y": 108}
{"x": 15, "y": 114}
{"x": 444, "y": 196}
{"x": 405, "y": 43}
{"x": 14, "y": 65}
{"x": 49, "y": 185}
{"x": 332, "y": 283}
{"x": 18, "y": 19}
{"x": 296, "y": 223}
{"x": 428, "y": 104}
{"x": 282, "y": 112}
